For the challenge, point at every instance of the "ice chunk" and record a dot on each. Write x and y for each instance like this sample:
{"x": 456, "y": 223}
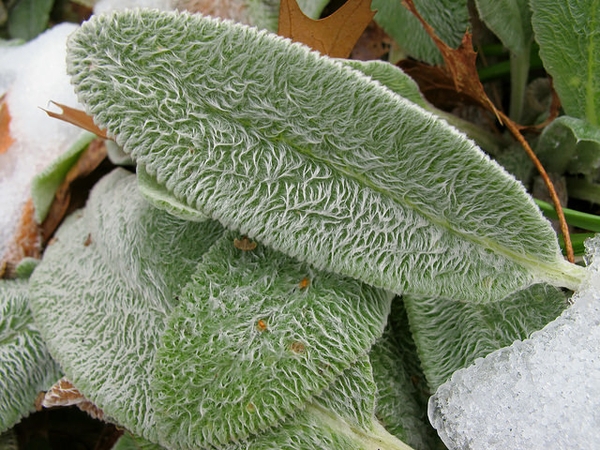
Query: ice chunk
{"x": 541, "y": 393}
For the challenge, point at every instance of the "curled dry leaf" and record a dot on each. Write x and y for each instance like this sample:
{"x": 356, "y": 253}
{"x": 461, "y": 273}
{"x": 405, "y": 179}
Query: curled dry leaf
{"x": 63, "y": 393}
{"x": 86, "y": 164}
{"x": 333, "y": 36}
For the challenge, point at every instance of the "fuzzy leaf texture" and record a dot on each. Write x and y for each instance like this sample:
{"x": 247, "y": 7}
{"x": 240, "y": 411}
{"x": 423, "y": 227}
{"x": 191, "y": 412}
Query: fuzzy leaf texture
{"x": 310, "y": 157}
{"x": 256, "y": 334}
{"x": 450, "y": 335}
{"x": 569, "y": 38}
{"x": 26, "y": 367}
{"x": 102, "y": 294}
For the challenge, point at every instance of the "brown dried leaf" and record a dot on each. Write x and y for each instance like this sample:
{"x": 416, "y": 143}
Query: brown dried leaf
{"x": 372, "y": 44}
{"x": 6, "y": 140}
{"x": 333, "y": 36}
{"x": 78, "y": 118}
{"x": 63, "y": 393}
{"x": 89, "y": 160}
{"x": 26, "y": 242}
{"x": 460, "y": 70}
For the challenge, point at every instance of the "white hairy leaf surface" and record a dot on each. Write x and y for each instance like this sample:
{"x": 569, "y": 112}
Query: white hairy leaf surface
{"x": 310, "y": 157}
{"x": 401, "y": 406}
{"x": 255, "y": 336}
{"x": 451, "y": 335}
{"x": 103, "y": 291}
{"x": 26, "y": 367}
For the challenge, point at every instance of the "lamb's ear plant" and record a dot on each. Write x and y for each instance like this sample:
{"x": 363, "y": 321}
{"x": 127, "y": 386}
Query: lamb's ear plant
{"x": 193, "y": 337}
{"x": 26, "y": 367}
{"x": 310, "y": 157}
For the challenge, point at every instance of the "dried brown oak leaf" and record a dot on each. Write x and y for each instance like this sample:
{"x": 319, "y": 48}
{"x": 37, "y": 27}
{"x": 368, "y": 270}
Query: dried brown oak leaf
{"x": 335, "y": 35}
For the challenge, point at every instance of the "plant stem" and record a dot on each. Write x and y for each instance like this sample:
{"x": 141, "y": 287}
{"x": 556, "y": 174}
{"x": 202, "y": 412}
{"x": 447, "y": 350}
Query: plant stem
{"x": 519, "y": 73}
{"x": 564, "y": 229}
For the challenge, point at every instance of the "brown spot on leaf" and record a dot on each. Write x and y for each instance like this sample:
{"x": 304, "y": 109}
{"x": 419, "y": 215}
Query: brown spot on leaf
{"x": 261, "y": 325}
{"x": 304, "y": 283}
{"x": 297, "y": 347}
{"x": 244, "y": 244}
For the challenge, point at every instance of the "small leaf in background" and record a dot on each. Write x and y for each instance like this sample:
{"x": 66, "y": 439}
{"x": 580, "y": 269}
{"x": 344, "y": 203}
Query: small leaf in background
{"x": 87, "y": 162}
{"x": 103, "y": 291}
{"x": 45, "y": 184}
{"x": 6, "y": 139}
{"x": 247, "y": 346}
{"x": 335, "y": 35}
{"x": 570, "y": 145}
{"x": 28, "y": 18}
{"x": 450, "y": 335}
{"x": 332, "y": 172}
{"x": 510, "y": 20}
{"x": 567, "y": 33}
{"x": 78, "y": 118}
{"x": 459, "y": 68}
{"x": 26, "y": 367}
{"x": 449, "y": 18}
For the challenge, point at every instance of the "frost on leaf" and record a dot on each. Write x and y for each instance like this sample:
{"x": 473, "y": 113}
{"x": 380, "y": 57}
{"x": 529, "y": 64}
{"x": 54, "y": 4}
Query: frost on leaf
{"x": 247, "y": 347}
{"x": 102, "y": 306}
{"x": 309, "y": 157}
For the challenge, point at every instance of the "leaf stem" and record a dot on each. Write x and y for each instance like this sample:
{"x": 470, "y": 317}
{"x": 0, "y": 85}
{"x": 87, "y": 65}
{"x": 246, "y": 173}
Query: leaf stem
{"x": 564, "y": 229}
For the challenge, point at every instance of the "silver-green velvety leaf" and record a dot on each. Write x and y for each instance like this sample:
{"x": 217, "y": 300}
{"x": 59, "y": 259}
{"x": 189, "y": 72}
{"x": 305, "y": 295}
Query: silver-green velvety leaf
{"x": 398, "y": 407}
{"x": 103, "y": 291}
{"x": 255, "y": 336}
{"x": 391, "y": 77}
{"x": 340, "y": 418}
{"x": 310, "y": 157}
{"x": 26, "y": 367}
{"x": 567, "y": 32}
{"x": 130, "y": 442}
{"x": 450, "y": 335}
{"x": 570, "y": 145}
{"x": 449, "y": 19}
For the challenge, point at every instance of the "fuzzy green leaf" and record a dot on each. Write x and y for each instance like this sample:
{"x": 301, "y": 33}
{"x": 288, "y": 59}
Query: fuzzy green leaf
{"x": 391, "y": 77}
{"x": 401, "y": 408}
{"x": 103, "y": 291}
{"x": 510, "y": 20}
{"x": 450, "y": 335}
{"x": 449, "y": 18}
{"x": 45, "y": 183}
{"x": 570, "y": 145}
{"x": 26, "y": 367}
{"x": 249, "y": 344}
{"x": 310, "y": 157}
{"x": 340, "y": 418}
{"x": 567, "y": 32}
{"x": 28, "y": 18}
